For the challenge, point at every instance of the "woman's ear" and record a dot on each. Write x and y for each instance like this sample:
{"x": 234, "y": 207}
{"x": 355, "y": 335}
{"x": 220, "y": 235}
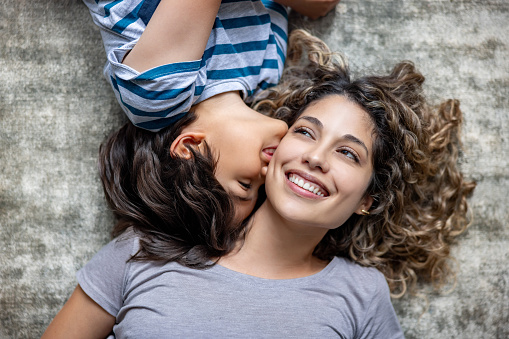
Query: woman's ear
{"x": 365, "y": 205}
{"x": 180, "y": 146}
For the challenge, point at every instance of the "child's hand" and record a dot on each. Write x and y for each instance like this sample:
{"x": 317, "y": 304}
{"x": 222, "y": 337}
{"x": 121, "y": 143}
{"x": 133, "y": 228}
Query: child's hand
{"x": 310, "y": 8}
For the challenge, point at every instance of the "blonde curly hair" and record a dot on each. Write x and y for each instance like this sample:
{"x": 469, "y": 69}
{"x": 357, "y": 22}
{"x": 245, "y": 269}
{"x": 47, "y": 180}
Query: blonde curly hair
{"x": 420, "y": 195}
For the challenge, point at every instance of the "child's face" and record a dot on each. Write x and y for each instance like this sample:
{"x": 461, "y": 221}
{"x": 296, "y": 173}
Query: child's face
{"x": 320, "y": 173}
{"x": 243, "y": 140}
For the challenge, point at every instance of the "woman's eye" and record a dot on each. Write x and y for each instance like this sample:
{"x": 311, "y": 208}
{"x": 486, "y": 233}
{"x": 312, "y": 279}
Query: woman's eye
{"x": 303, "y": 130}
{"x": 349, "y": 154}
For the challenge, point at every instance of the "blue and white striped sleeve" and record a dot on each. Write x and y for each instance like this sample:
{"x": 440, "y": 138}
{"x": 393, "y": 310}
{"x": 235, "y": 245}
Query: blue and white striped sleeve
{"x": 157, "y": 97}
{"x": 279, "y": 25}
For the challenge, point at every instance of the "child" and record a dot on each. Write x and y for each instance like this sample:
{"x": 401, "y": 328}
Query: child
{"x": 162, "y": 65}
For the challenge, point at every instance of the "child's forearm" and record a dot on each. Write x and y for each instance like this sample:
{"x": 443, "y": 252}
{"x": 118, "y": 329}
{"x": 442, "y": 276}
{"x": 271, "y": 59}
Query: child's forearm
{"x": 178, "y": 31}
{"x": 310, "y": 8}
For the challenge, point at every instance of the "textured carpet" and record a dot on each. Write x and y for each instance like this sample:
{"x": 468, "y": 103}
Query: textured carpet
{"x": 56, "y": 108}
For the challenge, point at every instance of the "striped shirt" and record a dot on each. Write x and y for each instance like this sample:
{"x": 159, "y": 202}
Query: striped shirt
{"x": 245, "y": 52}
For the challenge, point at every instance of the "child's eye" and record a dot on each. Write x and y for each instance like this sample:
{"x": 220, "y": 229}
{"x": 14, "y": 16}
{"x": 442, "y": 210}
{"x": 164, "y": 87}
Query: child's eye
{"x": 244, "y": 185}
{"x": 303, "y": 130}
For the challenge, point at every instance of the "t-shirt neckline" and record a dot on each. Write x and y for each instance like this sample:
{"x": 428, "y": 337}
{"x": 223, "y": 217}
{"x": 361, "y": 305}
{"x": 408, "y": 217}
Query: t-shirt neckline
{"x": 251, "y": 279}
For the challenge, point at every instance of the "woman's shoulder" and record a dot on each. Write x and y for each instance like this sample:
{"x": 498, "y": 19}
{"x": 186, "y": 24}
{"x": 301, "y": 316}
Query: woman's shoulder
{"x": 361, "y": 276}
{"x": 103, "y": 277}
{"x": 126, "y": 244}
{"x": 115, "y": 254}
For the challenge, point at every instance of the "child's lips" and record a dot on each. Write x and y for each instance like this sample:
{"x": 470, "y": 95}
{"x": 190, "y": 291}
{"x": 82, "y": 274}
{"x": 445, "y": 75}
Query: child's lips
{"x": 269, "y": 152}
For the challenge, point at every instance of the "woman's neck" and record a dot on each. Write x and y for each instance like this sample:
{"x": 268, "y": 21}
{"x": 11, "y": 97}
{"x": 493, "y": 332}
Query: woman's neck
{"x": 275, "y": 248}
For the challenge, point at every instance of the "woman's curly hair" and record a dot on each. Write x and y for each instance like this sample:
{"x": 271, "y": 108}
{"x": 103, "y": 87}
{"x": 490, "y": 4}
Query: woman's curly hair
{"x": 420, "y": 195}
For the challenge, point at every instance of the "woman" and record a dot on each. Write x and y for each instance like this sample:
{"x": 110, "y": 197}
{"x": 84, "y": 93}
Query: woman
{"x": 419, "y": 194}
{"x": 358, "y": 182}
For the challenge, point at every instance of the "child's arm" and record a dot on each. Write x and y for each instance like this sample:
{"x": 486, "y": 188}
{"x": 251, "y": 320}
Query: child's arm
{"x": 310, "y": 8}
{"x": 156, "y": 59}
{"x": 80, "y": 317}
{"x": 154, "y": 51}
{"x": 178, "y": 31}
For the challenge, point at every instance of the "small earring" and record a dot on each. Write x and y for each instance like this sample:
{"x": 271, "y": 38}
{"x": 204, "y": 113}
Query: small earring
{"x": 364, "y": 212}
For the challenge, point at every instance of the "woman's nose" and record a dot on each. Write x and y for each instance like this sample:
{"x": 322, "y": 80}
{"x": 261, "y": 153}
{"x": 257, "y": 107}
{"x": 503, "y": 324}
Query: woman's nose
{"x": 316, "y": 159}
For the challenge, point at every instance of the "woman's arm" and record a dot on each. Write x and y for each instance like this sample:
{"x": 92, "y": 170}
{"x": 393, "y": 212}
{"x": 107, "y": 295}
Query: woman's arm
{"x": 310, "y": 8}
{"x": 178, "y": 31}
{"x": 80, "y": 317}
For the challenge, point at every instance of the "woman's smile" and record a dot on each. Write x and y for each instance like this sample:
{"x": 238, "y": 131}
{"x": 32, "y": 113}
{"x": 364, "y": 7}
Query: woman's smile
{"x": 306, "y": 184}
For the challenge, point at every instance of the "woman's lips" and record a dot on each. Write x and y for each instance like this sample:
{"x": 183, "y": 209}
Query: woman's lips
{"x": 307, "y": 183}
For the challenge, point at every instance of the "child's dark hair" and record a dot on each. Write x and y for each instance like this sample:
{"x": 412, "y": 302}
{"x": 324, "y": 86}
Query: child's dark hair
{"x": 176, "y": 206}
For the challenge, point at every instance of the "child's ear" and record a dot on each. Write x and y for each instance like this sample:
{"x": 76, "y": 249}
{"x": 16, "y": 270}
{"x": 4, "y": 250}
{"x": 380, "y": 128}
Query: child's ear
{"x": 180, "y": 146}
{"x": 365, "y": 205}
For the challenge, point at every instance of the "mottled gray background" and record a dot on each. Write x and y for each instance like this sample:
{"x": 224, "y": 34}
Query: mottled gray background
{"x": 55, "y": 109}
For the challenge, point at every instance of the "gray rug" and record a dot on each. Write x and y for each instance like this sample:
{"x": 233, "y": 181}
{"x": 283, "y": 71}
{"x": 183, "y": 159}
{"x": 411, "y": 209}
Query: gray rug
{"x": 55, "y": 109}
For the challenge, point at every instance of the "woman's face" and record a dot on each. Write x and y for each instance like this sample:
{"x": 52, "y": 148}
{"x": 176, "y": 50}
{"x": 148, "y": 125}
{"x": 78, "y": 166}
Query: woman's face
{"x": 243, "y": 140}
{"x": 322, "y": 168}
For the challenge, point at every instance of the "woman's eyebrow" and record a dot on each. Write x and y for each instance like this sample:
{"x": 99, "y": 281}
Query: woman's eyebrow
{"x": 357, "y": 141}
{"x": 312, "y": 120}
{"x": 349, "y": 137}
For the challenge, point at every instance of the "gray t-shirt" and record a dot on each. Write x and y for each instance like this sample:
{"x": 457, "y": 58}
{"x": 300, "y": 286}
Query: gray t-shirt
{"x": 167, "y": 300}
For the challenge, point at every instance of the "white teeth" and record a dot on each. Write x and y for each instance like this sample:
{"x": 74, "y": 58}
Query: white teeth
{"x": 307, "y": 186}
